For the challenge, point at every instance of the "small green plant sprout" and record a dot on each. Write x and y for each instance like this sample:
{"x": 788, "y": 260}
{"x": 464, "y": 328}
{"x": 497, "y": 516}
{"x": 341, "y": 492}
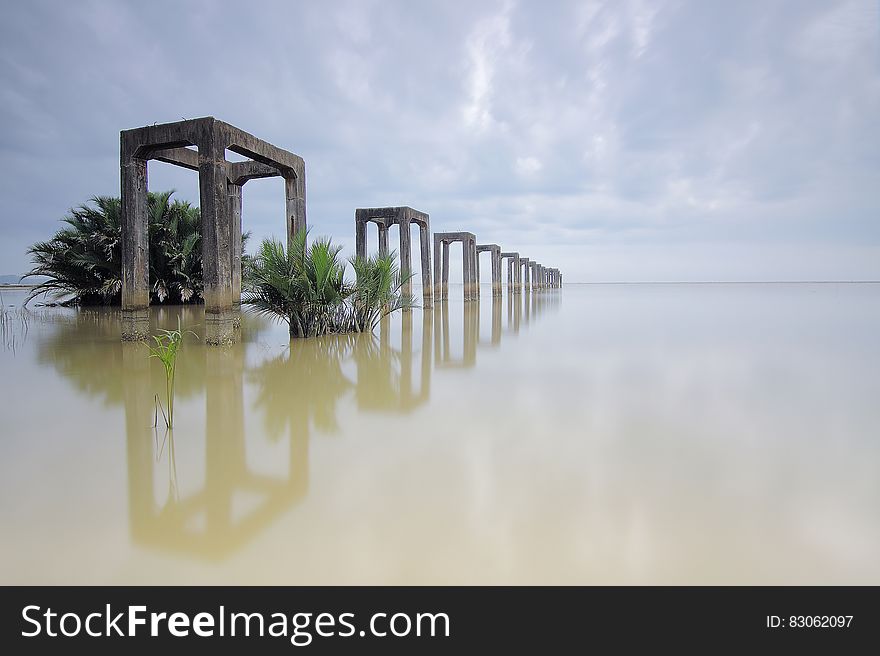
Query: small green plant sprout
{"x": 166, "y": 349}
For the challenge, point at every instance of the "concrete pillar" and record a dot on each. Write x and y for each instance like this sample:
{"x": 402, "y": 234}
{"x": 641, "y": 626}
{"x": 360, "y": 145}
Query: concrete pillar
{"x": 383, "y": 239}
{"x": 525, "y": 269}
{"x": 471, "y": 283}
{"x": 439, "y": 252}
{"x": 135, "y": 246}
{"x": 468, "y": 265}
{"x": 405, "y": 252}
{"x": 216, "y": 242}
{"x": 424, "y": 242}
{"x": 477, "y": 274}
{"x": 496, "y": 272}
{"x": 360, "y": 237}
{"x": 295, "y": 201}
{"x": 234, "y": 195}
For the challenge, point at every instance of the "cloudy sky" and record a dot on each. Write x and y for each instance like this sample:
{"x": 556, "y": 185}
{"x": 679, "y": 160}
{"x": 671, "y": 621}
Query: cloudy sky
{"x": 633, "y": 140}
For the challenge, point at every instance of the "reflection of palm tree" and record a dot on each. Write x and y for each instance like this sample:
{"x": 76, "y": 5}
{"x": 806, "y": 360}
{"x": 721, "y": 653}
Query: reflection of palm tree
{"x": 84, "y": 347}
{"x": 304, "y": 383}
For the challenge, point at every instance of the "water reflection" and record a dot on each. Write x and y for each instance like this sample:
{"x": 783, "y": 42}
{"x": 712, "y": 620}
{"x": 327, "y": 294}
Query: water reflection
{"x": 248, "y": 477}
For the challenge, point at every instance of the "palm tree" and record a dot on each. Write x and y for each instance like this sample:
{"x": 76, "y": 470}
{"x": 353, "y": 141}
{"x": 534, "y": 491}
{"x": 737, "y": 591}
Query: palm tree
{"x": 378, "y": 290}
{"x": 83, "y": 261}
{"x": 304, "y": 286}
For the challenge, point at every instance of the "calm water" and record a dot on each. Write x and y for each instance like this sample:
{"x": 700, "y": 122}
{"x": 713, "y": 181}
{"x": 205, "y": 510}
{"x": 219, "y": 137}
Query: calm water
{"x": 595, "y": 434}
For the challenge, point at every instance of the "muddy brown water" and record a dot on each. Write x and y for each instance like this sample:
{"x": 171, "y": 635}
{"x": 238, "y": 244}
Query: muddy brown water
{"x": 594, "y": 434}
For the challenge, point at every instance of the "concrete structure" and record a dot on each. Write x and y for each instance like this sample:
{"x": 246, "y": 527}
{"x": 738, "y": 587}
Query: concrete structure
{"x": 535, "y": 273}
{"x": 494, "y": 251}
{"x": 514, "y": 272}
{"x": 402, "y": 217}
{"x": 525, "y": 269}
{"x": 442, "y": 240}
{"x": 220, "y": 189}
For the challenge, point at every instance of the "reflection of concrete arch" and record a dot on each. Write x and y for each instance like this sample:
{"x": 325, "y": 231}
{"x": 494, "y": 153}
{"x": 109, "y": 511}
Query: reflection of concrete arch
{"x": 470, "y": 327}
{"x": 496, "y": 322}
{"x": 204, "y": 523}
{"x": 382, "y": 387}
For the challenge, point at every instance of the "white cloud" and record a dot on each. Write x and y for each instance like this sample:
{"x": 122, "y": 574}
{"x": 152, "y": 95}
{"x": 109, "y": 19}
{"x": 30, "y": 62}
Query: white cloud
{"x": 590, "y": 124}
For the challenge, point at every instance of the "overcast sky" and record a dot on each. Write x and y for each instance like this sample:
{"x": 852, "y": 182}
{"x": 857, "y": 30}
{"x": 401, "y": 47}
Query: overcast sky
{"x": 619, "y": 141}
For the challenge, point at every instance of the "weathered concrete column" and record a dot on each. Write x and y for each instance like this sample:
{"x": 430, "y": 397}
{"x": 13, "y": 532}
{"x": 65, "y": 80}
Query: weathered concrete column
{"x": 383, "y": 239}
{"x": 533, "y": 275}
{"x": 135, "y": 244}
{"x": 468, "y": 273}
{"x": 360, "y": 237}
{"x": 425, "y": 245}
{"x": 234, "y": 195}
{"x": 405, "y": 252}
{"x": 295, "y": 200}
{"x": 524, "y": 274}
{"x": 471, "y": 283}
{"x": 445, "y": 272}
{"x": 438, "y": 273}
{"x": 496, "y": 272}
{"x": 216, "y": 240}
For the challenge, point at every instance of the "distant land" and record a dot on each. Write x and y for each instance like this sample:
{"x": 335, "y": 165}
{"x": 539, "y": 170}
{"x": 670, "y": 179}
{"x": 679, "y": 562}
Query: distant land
{"x": 12, "y": 279}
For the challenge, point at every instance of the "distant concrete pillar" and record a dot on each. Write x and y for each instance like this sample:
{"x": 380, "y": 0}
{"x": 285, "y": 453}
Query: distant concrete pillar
{"x": 439, "y": 252}
{"x": 425, "y": 245}
{"x": 135, "y": 245}
{"x": 445, "y": 269}
{"x": 360, "y": 236}
{"x": 471, "y": 271}
{"x": 383, "y": 239}
{"x": 234, "y": 196}
{"x": 496, "y": 272}
{"x": 405, "y": 252}
{"x": 468, "y": 266}
{"x": 524, "y": 274}
{"x": 295, "y": 201}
